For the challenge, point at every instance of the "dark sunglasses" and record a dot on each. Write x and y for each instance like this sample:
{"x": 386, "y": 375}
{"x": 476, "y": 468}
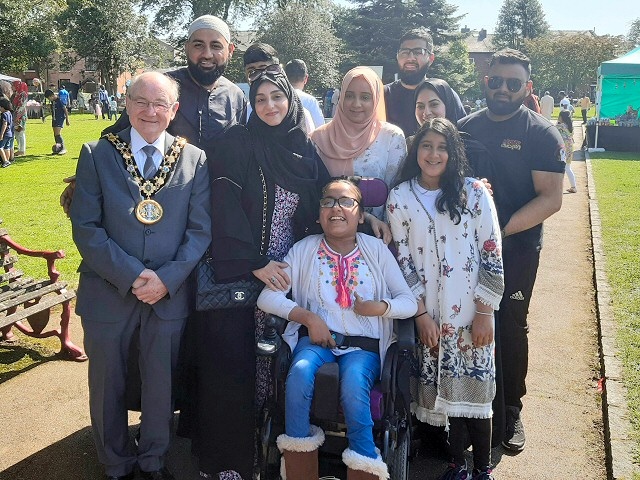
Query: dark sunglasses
{"x": 256, "y": 74}
{"x": 513, "y": 84}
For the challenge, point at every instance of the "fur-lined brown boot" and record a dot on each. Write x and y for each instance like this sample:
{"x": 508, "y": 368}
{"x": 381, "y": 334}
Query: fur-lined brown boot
{"x": 364, "y": 468}
{"x": 300, "y": 455}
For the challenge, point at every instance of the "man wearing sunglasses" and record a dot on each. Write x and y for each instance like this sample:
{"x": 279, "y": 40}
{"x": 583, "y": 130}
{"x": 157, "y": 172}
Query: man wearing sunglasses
{"x": 415, "y": 56}
{"x": 526, "y": 154}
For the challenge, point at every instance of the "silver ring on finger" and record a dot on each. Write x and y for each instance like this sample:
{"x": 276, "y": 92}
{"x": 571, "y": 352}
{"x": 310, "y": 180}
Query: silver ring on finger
{"x": 273, "y": 280}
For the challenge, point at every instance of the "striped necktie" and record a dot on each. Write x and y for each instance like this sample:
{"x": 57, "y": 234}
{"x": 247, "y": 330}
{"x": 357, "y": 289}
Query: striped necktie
{"x": 149, "y": 165}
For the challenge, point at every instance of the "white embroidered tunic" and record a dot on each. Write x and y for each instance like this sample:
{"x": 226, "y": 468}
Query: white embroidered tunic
{"x": 449, "y": 266}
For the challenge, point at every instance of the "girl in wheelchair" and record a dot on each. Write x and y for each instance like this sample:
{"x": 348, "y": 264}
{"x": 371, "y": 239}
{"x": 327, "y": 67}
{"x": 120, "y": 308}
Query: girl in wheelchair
{"x": 346, "y": 286}
{"x": 448, "y": 238}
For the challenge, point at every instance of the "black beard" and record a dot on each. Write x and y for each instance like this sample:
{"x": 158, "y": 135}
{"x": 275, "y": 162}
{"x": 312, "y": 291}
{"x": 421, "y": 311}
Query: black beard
{"x": 413, "y": 78}
{"x": 502, "y": 108}
{"x": 205, "y": 77}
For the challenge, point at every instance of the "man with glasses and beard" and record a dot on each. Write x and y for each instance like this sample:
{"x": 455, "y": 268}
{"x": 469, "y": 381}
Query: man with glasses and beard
{"x": 527, "y": 157}
{"x": 209, "y": 102}
{"x": 414, "y": 56}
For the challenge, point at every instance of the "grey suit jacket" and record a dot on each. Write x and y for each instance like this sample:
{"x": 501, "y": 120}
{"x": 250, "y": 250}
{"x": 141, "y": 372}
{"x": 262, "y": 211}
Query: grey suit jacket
{"x": 116, "y": 247}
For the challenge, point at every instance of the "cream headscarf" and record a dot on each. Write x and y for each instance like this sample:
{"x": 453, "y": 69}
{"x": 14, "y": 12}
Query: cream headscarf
{"x": 341, "y": 140}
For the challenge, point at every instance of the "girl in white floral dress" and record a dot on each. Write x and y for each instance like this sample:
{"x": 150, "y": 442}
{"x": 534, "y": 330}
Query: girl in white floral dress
{"x": 447, "y": 235}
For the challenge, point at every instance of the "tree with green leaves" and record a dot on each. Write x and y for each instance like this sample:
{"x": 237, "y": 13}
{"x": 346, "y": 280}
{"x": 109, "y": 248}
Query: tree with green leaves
{"x": 519, "y": 20}
{"x": 372, "y": 30}
{"x": 109, "y": 32}
{"x": 634, "y": 33}
{"x": 570, "y": 62}
{"x": 305, "y": 32}
{"x": 28, "y": 36}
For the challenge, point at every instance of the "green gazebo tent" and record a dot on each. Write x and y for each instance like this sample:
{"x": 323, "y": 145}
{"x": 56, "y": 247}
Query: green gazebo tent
{"x": 619, "y": 85}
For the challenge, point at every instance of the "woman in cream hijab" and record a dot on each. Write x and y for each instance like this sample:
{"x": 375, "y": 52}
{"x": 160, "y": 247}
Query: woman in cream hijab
{"x": 358, "y": 140}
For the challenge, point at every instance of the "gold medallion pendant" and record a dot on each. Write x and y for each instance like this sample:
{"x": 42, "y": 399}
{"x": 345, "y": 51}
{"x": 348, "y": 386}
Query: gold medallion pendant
{"x": 148, "y": 211}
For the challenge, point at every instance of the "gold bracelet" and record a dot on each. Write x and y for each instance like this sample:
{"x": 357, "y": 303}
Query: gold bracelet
{"x": 484, "y": 313}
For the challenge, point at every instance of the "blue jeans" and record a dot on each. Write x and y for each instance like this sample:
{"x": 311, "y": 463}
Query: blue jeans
{"x": 358, "y": 372}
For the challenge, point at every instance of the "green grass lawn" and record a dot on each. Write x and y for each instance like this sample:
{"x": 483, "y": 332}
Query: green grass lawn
{"x": 617, "y": 177}
{"x": 30, "y": 191}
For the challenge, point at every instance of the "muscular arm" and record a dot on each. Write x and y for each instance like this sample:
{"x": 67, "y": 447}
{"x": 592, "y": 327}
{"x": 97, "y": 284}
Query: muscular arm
{"x": 548, "y": 200}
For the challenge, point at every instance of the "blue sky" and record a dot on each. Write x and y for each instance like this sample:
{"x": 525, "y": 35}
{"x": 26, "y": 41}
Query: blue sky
{"x": 611, "y": 17}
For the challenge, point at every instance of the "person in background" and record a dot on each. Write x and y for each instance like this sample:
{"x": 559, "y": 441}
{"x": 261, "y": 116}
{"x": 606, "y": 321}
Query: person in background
{"x": 585, "y": 105}
{"x": 565, "y": 127}
{"x": 6, "y": 132}
{"x": 103, "y": 97}
{"x": 528, "y": 157}
{"x": 59, "y": 117}
{"x": 436, "y": 213}
{"x": 532, "y": 102}
{"x": 298, "y": 75}
{"x": 6, "y": 90}
{"x": 546, "y": 105}
{"x": 97, "y": 108}
{"x": 113, "y": 108}
{"x": 369, "y": 296}
{"x": 565, "y": 102}
{"x": 415, "y": 56}
{"x": 19, "y": 100}
{"x": 63, "y": 95}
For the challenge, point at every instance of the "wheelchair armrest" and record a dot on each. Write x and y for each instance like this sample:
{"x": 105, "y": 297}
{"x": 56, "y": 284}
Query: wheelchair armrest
{"x": 405, "y": 333}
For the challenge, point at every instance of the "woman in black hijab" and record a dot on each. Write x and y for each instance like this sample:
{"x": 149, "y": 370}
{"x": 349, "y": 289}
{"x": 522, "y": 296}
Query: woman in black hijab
{"x": 265, "y": 197}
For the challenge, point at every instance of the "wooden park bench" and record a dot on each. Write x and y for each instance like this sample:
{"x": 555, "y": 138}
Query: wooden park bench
{"x": 27, "y": 299}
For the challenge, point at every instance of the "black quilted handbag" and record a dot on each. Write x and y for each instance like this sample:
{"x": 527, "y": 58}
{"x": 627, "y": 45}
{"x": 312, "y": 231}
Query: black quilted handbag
{"x": 212, "y": 296}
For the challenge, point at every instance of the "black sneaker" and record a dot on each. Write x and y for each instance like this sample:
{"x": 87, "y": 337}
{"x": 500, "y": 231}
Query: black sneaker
{"x": 514, "y": 439}
{"x": 482, "y": 475}
{"x": 456, "y": 472}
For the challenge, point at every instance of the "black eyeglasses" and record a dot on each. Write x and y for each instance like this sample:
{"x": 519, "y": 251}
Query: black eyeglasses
{"x": 416, "y": 52}
{"x": 255, "y": 74}
{"x": 344, "y": 202}
{"x": 513, "y": 84}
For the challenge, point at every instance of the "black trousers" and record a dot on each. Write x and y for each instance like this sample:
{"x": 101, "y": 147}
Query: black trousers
{"x": 584, "y": 115}
{"x": 520, "y": 270}
{"x": 218, "y": 413}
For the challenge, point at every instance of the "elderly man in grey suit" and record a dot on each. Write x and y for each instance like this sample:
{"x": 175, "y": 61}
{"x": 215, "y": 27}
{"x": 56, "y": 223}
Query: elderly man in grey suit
{"x": 141, "y": 221}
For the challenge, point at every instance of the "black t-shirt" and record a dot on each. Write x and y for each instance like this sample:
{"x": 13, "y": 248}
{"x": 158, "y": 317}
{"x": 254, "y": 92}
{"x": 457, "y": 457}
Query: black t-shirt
{"x": 517, "y": 146}
{"x": 57, "y": 111}
{"x": 401, "y": 109}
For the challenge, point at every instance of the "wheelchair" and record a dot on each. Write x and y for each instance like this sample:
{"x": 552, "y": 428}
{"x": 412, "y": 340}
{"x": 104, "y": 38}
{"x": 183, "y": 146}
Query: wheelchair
{"x": 389, "y": 400}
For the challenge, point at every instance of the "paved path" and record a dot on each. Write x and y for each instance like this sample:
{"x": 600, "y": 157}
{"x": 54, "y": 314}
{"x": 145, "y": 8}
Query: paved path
{"x": 44, "y": 422}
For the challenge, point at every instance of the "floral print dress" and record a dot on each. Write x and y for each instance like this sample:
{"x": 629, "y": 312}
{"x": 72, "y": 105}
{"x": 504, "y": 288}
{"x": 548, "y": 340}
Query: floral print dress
{"x": 450, "y": 267}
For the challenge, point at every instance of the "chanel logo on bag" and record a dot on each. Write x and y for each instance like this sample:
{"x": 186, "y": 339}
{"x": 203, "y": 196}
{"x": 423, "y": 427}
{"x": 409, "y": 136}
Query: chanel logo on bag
{"x": 239, "y": 296}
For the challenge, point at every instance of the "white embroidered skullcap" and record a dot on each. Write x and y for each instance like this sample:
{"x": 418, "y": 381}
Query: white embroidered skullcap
{"x": 210, "y": 22}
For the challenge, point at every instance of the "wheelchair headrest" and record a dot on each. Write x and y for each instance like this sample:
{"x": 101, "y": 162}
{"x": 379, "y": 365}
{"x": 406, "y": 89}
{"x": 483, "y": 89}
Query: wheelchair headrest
{"x": 374, "y": 190}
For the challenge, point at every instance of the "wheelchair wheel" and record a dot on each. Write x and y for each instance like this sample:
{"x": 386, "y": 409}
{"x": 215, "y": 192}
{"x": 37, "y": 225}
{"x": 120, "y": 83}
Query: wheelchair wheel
{"x": 398, "y": 459}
